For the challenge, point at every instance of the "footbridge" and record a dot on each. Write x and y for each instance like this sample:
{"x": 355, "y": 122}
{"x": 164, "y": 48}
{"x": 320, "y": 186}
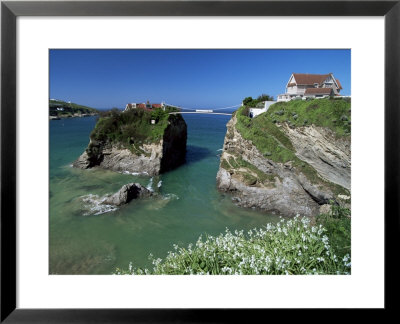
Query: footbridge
{"x": 214, "y": 111}
{"x": 199, "y": 112}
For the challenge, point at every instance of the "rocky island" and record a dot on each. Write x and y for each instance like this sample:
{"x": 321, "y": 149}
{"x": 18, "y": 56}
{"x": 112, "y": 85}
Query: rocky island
{"x": 293, "y": 159}
{"x": 136, "y": 141}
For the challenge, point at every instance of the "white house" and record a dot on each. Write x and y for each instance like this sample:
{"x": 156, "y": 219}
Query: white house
{"x": 259, "y": 110}
{"x": 301, "y": 86}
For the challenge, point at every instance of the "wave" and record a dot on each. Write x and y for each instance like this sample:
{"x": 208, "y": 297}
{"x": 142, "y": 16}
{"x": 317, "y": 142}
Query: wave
{"x": 159, "y": 184}
{"x": 134, "y": 173}
{"x": 150, "y": 185}
{"x": 93, "y": 205}
{"x": 170, "y": 197}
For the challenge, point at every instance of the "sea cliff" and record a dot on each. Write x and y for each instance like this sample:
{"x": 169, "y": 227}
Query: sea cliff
{"x": 136, "y": 141}
{"x": 293, "y": 159}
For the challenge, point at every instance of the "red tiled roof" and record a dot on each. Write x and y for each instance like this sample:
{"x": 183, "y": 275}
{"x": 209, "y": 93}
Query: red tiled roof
{"x": 338, "y": 83}
{"x": 318, "y": 91}
{"x": 144, "y": 106}
{"x": 309, "y": 79}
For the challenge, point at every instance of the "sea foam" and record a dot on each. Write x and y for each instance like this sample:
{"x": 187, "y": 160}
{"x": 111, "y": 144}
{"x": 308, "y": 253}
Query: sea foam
{"x": 150, "y": 185}
{"x": 93, "y": 205}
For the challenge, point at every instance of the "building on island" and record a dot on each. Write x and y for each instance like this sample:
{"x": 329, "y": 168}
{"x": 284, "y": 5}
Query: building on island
{"x": 262, "y": 107}
{"x": 130, "y": 106}
{"x": 303, "y": 86}
{"x": 147, "y": 106}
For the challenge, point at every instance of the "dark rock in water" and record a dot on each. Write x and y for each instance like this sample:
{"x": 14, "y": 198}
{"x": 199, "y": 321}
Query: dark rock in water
{"x": 127, "y": 193}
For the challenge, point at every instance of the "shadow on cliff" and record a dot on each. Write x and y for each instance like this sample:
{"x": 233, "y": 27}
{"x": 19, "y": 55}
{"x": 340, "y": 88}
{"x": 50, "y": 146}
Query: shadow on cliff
{"x": 197, "y": 153}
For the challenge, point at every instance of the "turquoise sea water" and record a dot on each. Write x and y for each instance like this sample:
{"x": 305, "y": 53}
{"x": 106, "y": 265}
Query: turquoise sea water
{"x": 87, "y": 238}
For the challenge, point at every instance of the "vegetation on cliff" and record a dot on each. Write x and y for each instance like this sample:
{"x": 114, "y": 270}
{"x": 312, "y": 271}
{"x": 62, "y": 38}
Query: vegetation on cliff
{"x": 266, "y": 134}
{"x": 249, "y": 173}
{"x": 59, "y": 108}
{"x": 259, "y": 102}
{"x": 290, "y": 247}
{"x": 138, "y": 140}
{"x": 338, "y": 225}
{"x": 132, "y": 128}
{"x": 334, "y": 114}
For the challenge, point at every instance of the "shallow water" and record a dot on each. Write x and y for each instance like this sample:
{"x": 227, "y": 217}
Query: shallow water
{"x": 88, "y": 238}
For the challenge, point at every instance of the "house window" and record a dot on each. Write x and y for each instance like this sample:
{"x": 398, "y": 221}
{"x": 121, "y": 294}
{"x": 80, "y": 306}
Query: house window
{"x": 315, "y": 85}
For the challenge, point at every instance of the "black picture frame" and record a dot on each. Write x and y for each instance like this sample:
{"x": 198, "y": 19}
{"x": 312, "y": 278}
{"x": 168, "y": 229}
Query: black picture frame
{"x": 10, "y": 10}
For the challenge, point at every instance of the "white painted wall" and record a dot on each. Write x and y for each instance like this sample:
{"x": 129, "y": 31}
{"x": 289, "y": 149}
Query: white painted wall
{"x": 257, "y": 111}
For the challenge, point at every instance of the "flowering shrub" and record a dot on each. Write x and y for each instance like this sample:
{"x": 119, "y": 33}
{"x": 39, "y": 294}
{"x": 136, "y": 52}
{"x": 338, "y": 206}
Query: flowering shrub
{"x": 338, "y": 225}
{"x": 289, "y": 247}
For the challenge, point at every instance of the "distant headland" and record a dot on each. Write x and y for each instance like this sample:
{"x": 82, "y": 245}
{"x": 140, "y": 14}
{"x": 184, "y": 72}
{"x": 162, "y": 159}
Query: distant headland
{"x": 62, "y": 109}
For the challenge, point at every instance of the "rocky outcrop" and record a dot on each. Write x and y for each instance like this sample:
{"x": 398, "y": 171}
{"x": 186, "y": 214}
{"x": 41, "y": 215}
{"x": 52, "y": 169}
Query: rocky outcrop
{"x": 325, "y": 152}
{"x": 151, "y": 158}
{"x": 255, "y": 181}
{"x": 127, "y": 193}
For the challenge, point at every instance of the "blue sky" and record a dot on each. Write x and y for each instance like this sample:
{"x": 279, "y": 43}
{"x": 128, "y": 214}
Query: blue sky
{"x": 187, "y": 78}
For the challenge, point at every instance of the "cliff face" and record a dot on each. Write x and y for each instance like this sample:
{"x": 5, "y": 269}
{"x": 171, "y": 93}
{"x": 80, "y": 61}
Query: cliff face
{"x": 318, "y": 170}
{"x": 151, "y": 158}
{"x": 328, "y": 155}
{"x": 173, "y": 145}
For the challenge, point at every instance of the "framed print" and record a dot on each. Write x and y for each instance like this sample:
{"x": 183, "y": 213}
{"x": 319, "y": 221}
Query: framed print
{"x": 132, "y": 156}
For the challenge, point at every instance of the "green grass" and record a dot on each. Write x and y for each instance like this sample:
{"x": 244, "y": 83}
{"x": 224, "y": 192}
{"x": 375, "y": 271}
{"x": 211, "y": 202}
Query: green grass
{"x": 265, "y": 135}
{"x": 133, "y": 128}
{"x": 289, "y": 247}
{"x": 329, "y": 113}
{"x": 276, "y": 146}
{"x": 338, "y": 225}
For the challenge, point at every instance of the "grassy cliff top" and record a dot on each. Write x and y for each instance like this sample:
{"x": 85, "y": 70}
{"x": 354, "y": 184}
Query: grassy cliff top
{"x": 272, "y": 142}
{"x": 264, "y": 132}
{"x": 334, "y": 114}
{"x": 132, "y": 127}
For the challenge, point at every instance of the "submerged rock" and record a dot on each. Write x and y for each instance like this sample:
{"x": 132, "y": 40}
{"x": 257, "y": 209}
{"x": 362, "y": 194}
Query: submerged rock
{"x": 127, "y": 193}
